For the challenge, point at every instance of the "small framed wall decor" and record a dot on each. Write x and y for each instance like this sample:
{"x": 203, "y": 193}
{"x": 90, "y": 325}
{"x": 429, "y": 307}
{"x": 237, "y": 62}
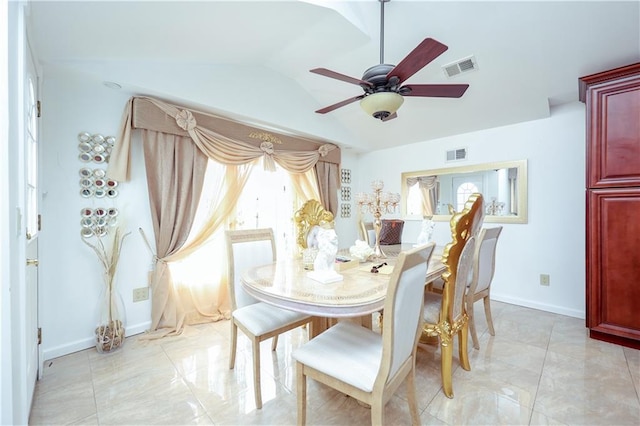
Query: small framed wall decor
{"x": 345, "y": 210}
{"x": 345, "y": 175}
{"x": 345, "y": 193}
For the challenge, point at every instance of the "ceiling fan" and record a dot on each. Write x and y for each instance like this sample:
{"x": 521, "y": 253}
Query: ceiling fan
{"x": 382, "y": 83}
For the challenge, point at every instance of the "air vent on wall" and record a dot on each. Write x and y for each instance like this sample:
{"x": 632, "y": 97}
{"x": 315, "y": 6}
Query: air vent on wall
{"x": 457, "y": 154}
{"x": 461, "y": 66}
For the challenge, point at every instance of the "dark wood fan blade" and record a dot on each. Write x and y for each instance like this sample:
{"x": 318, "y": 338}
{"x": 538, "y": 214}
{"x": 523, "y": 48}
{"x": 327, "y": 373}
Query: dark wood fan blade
{"x": 434, "y": 90}
{"x": 332, "y": 74}
{"x": 391, "y": 117}
{"x": 339, "y": 104}
{"x": 419, "y": 57}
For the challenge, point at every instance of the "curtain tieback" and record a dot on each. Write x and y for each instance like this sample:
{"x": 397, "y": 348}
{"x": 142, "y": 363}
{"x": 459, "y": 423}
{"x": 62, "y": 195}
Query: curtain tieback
{"x": 156, "y": 259}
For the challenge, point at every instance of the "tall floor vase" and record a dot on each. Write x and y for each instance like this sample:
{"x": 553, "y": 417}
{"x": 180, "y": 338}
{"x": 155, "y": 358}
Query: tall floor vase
{"x": 110, "y": 330}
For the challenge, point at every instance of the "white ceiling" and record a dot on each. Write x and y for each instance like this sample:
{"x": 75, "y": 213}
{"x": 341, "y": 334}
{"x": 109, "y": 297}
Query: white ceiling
{"x": 251, "y": 59}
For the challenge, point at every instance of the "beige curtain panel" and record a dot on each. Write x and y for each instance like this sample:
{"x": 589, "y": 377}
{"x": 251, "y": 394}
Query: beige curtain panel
{"x": 177, "y": 145}
{"x": 175, "y": 175}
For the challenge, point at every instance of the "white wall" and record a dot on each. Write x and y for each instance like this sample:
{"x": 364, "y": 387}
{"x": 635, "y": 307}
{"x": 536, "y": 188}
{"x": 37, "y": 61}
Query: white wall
{"x": 553, "y": 240}
{"x": 70, "y": 275}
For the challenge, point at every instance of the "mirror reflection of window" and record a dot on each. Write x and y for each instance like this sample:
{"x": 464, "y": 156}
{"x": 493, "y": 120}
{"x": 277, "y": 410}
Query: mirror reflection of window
{"x": 463, "y": 192}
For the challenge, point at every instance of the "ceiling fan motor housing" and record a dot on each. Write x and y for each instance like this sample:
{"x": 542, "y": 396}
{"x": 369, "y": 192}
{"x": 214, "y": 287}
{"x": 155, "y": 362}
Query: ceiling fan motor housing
{"x": 377, "y": 76}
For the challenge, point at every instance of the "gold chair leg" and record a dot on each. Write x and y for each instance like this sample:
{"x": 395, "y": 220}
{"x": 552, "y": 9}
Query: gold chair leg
{"x": 411, "y": 396}
{"x": 472, "y": 325}
{"x": 234, "y": 342}
{"x": 445, "y": 369}
{"x": 301, "y": 391}
{"x": 487, "y": 313}
{"x": 377, "y": 412}
{"x": 257, "y": 386}
{"x": 463, "y": 347}
{"x": 274, "y": 343}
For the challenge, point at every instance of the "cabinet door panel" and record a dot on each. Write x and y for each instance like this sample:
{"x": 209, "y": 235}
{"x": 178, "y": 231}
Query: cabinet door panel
{"x": 613, "y": 148}
{"x": 613, "y": 262}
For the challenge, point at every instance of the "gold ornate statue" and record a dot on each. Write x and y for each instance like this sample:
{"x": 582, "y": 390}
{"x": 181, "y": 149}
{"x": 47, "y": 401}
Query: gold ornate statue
{"x": 311, "y": 214}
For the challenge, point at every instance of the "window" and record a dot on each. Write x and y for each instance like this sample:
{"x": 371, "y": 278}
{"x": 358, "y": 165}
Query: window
{"x": 32, "y": 163}
{"x": 266, "y": 202}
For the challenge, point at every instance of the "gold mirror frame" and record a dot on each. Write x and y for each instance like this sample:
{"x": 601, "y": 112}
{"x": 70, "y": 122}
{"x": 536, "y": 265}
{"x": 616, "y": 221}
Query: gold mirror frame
{"x": 520, "y": 188}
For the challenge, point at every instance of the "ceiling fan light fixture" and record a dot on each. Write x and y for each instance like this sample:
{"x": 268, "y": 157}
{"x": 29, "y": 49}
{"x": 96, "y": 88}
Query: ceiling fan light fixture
{"x": 382, "y": 104}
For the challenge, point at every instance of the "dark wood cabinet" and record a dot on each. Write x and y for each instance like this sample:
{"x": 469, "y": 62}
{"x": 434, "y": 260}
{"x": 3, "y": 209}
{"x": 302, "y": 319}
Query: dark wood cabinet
{"x": 613, "y": 204}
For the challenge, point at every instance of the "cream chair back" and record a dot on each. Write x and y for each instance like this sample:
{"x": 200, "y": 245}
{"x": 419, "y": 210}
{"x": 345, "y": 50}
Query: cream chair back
{"x": 480, "y": 283}
{"x": 403, "y": 308}
{"x": 247, "y": 248}
{"x": 488, "y": 240}
{"x": 465, "y": 269}
{"x": 367, "y": 233}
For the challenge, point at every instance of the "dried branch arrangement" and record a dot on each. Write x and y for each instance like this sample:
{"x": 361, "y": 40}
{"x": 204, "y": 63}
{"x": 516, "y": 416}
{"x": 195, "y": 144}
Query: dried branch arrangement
{"x": 110, "y": 332}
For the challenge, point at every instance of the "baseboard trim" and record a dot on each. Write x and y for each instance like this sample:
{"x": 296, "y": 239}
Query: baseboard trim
{"x": 540, "y": 306}
{"x": 89, "y": 342}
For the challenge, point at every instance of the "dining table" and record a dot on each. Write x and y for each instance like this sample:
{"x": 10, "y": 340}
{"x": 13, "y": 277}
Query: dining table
{"x": 357, "y": 295}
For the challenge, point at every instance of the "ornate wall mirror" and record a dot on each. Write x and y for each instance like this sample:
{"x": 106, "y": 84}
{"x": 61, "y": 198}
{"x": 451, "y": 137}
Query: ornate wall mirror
{"x": 432, "y": 192}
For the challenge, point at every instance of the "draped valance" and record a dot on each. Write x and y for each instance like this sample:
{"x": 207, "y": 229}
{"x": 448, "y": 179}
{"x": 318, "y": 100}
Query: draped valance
{"x": 222, "y": 139}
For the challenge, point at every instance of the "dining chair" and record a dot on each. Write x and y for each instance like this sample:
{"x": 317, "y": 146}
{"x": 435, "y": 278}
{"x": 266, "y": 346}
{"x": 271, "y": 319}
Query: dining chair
{"x": 259, "y": 321}
{"x": 367, "y": 232}
{"x": 445, "y": 314}
{"x": 368, "y": 365}
{"x": 480, "y": 286}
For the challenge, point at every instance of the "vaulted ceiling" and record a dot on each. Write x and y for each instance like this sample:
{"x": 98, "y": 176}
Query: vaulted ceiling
{"x": 251, "y": 59}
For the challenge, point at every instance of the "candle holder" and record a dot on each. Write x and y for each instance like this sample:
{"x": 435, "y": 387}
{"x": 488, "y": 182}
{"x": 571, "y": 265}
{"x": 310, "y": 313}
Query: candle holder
{"x": 377, "y": 203}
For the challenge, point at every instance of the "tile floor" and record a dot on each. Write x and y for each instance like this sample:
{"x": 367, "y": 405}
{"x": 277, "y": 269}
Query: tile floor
{"x": 539, "y": 369}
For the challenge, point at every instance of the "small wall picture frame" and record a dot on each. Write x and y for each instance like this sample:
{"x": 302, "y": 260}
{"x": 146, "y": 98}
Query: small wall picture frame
{"x": 345, "y": 193}
{"x": 345, "y": 175}
{"x": 345, "y": 210}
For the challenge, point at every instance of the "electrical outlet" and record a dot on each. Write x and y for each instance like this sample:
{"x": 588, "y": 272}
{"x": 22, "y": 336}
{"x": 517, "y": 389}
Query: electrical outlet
{"x": 140, "y": 294}
{"x": 544, "y": 279}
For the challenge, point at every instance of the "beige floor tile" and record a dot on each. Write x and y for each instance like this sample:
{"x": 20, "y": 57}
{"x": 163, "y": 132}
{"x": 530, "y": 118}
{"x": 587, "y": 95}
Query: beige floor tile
{"x": 168, "y": 404}
{"x": 65, "y": 404}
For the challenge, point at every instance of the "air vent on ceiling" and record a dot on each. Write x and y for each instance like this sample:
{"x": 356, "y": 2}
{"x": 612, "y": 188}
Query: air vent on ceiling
{"x": 457, "y": 154}
{"x": 461, "y": 66}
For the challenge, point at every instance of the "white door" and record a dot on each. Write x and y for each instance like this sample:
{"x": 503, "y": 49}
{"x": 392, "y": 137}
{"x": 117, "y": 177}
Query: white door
{"x": 32, "y": 222}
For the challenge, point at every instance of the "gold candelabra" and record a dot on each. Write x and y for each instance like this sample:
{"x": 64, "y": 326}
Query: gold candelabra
{"x": 377, "y": 203}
